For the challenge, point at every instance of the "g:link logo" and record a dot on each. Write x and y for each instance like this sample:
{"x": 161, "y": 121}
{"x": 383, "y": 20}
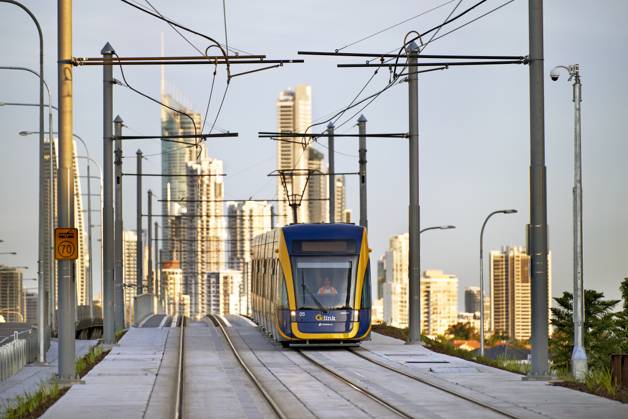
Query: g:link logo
{"x": 324, "y": 317}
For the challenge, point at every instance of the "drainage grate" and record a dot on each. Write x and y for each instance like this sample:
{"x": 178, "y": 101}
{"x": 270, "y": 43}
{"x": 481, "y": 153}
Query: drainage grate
{"x": 427, "y": 362}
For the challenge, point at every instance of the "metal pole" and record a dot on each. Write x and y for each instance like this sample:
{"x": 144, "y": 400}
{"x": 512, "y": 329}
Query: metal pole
{"x": 414, "y": 264}
{"x": 118, "y": 299}
{"x": 156, "y": 254}
{"x": 138, "y": 224}
{"x": 332, "y": 176}
{"x": 108, "y": 227}
{"x": 362, "y": 162}
{"x": 149, "y": 274}
{"x": 65, "y": 203}
{"x": 90, "y": 297}
{"x": 579, "y": 354}
{"x": 538, "y": 197}
{"x": 43, "y": 243}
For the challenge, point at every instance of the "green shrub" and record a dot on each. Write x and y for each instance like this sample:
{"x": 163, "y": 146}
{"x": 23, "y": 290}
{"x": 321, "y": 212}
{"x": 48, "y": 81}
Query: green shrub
{"x": 600, "y": 380}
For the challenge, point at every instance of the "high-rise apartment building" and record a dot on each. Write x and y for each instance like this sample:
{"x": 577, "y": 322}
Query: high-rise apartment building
{"x": 439, "y": 302}
{"x": 230, "y": 287}
{"x": 396, "y": 285}
{"x": 172, "y": 283}
{"x": 129, "y": 276}
{"x": 511, "y": 308}
{"x": 316, "y": 191}
{"x": 82, "y": 263}
{"x": 439, "y": 291}
{"x": 174, "y": 159}
{"x": 30, "y": 307}
{"x": 245, "y": 220}
{"x": 340, "y": 203}
{"x": 472, "y": 299}
{"x": 294, "y": 114}
{"x": 11, "y": 299}
{"x": 48, "y": 264}
{"x": 203, "y": 228}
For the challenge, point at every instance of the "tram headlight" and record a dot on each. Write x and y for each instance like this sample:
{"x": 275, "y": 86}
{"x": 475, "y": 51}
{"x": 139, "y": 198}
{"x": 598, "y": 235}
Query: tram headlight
{"x": 356, "y": 315}
{"x": 293, "y": 315}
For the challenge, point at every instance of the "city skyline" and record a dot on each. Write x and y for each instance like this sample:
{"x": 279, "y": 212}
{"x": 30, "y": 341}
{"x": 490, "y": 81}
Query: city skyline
{"x": 453, "y": 145}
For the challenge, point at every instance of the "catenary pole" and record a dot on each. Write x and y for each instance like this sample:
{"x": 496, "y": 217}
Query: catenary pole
{"x": 362, "y": 170}
{"x": 538, "y": 246}
{"x": 332, "y": 176}
{"x": 90, "y": 282}
{"x": 65, "y": 195}
{"x": 108, "y": 227}
{"x": 157, "y": 260}
{"x": 414, "y": 265}
{"x": 138, "y": 224}
{"x": 118, "y": 270}
{"x": 149, "y": 274}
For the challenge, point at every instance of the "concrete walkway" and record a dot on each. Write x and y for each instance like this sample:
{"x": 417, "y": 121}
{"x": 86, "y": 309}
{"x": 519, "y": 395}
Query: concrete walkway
{"x": 30, "y": 378}
{"x": 119, "y": 386}
{"x": 501, "y": 388}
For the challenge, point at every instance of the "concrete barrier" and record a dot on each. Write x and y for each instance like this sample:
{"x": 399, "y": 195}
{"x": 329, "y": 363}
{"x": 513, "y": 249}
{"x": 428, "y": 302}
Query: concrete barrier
{"x": 143, "y": 306}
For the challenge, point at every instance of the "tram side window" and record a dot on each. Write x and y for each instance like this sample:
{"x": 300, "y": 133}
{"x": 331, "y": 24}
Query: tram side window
{"x": 366, "y": 288}
{"x": 284, "y": 290}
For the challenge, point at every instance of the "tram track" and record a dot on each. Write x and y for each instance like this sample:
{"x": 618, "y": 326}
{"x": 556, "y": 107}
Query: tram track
{"x": 432, "y": 384}
{"x": 217, "y": 321}
{"x": 357, "y": 387}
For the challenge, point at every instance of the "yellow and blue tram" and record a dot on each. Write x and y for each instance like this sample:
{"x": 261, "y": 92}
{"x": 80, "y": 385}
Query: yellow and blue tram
{"x": 311, "y": 284}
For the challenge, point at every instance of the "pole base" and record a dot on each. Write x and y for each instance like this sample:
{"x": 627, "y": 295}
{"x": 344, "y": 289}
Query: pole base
{"x": 538, "y": 378}
{"x": 69, "y": 382}
{"x": 579, "y": 367}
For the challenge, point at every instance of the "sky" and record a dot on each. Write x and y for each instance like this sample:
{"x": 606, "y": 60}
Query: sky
{"x": 473, "y": 121}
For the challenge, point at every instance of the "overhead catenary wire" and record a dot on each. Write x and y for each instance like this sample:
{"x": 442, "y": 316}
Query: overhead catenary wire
{"x": 394, "y": 26}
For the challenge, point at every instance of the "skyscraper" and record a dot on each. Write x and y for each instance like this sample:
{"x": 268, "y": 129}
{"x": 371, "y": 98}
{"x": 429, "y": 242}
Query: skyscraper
{"x": 294, "y": 114}
{"x": 396, "y": 286}
{"x": 439, "y": 302}
{"x": 472, "y": 299}
{"x": 204, "y": 229}
{"x": 340, "y": 200}
{"x": 11, "y": 302}
{"x": 129, "y": 257}
{"x": 175, "y": 156}
{"x": 511, "y": 309}
{"x": 316, "y": 191}
{"x": 82, "y": 263}
{"x": 245, "y": 220}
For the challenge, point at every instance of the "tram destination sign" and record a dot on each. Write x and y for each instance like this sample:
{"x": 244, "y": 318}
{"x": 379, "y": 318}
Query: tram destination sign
{"x": 66, "y": 243}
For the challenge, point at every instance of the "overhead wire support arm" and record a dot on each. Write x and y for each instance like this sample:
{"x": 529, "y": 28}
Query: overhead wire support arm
{"x": 183, "y": 61}
{"x": 154, "y": 137}
{"x": 441, "y": 64}
{"x": 267, "y": 134}
{"x": 426, "y": 56}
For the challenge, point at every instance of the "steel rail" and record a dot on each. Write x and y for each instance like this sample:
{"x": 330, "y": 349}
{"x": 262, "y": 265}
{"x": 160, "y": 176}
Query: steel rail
{"x": 218, "y": 322}
{"x": 357, "y": 387}
{"x": 178, "y": 401}
{"x": 432, "y": 384}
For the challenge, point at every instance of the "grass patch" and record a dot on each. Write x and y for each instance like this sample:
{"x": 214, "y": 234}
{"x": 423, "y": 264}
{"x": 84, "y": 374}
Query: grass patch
{"x": 33, "y": 405}
{"x": 119, "y": 335}
{"x": 447, "y": 348}
{"x": 598, "y": 382}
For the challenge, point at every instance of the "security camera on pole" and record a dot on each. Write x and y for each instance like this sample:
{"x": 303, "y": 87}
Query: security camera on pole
{"x": 579, "y": 354}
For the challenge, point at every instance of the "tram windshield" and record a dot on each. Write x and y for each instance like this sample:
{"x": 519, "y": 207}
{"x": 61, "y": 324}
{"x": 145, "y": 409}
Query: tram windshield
{"x": 324, "y": 283}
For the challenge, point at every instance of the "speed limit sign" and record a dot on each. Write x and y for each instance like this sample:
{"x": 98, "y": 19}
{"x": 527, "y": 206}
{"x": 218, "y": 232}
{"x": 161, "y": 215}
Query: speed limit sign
{"x": 66, "y": 243}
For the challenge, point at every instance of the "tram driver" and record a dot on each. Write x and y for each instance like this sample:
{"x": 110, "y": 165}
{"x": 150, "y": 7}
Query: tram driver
{"x": 327, "y": 288}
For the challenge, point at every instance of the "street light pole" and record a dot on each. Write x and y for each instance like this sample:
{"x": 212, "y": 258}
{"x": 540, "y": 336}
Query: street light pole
{"x": 579, "y": 355}
{"x": 429, "y": 293}
{"x": 507, "y": 211}
{"x": 41, "y": 288}
{"x": 138, "y": 221}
